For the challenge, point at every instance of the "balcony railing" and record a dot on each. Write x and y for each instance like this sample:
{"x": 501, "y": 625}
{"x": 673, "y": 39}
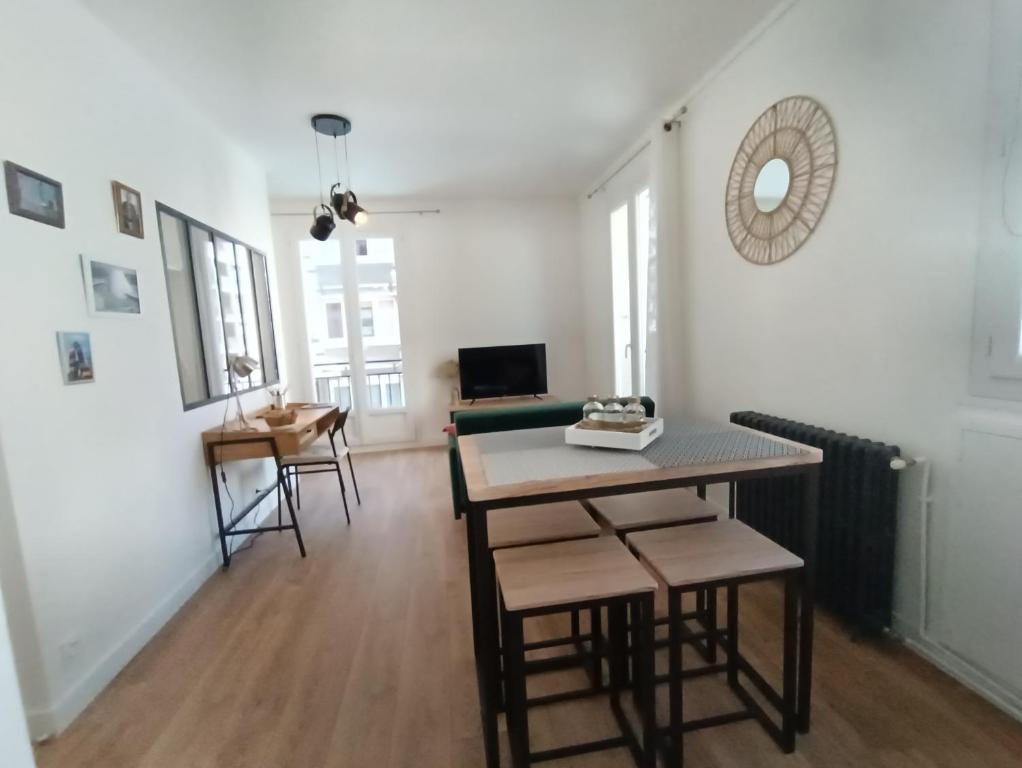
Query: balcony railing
{"x": 384, "y": 381}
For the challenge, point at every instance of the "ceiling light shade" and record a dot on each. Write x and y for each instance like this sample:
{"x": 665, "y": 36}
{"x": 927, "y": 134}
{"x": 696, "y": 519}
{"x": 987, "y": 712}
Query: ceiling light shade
{"x": 352, "y": 211}
{"x": 323, "y": 223}
{"x": 339, "y": 200}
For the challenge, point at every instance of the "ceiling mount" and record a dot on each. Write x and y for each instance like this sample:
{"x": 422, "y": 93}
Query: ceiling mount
{"x": 331, "y": 125}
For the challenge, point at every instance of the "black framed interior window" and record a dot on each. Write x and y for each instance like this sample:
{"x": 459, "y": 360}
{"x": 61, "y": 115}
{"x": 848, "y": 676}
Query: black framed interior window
{"x": 219, "y": 294}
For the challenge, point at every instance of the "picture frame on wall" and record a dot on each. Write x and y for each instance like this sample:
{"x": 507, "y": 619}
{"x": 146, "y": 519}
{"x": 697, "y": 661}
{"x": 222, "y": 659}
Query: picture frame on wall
{"x": 75, "y": 351}
{"x": 110, "y": 289}
{"x": 128, "y": 209}
{"x": 34, "y": 196}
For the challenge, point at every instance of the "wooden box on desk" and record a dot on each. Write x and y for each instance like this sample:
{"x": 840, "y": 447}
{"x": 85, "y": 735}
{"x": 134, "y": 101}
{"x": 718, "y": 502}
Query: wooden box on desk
{"x": 312, "y": 420}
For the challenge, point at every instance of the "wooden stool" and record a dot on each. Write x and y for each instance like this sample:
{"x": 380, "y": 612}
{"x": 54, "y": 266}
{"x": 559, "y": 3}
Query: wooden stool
{"x": 653, "y": 509}
{"x": 726, "y": 553}
{"x": 663, "y": 509}
{"x": 583, "y": 574}
{"x": 540, "y": 524}
{"x": 545, "y": 524}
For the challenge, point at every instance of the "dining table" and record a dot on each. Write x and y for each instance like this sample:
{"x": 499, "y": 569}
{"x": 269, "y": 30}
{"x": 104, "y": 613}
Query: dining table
{"x": 527, "y": 467}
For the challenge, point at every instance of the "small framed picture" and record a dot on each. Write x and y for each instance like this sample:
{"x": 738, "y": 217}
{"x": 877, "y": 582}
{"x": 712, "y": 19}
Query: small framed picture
{"x": 33, "y": 195}
{"x": 128, "y": 207}
{"x": 110, "y": 289}
{"x": 75, "y": 352}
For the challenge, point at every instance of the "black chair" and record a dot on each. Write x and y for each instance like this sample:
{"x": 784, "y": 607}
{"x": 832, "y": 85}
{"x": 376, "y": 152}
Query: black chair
{"x": 318, "y": 460}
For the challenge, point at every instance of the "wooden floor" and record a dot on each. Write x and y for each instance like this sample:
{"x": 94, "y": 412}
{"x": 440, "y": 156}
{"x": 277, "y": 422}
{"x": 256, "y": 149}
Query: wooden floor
{"x": 360, "y": 655}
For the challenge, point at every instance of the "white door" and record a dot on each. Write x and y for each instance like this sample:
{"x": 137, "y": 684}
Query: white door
{"x": 351, "y": 307}
{"x": 629, "y": 256}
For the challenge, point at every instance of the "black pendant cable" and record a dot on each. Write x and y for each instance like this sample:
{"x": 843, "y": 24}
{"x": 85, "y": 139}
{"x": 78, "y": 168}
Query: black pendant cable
{"x": 323, "y": 218}
{"x": 354, "y": 213}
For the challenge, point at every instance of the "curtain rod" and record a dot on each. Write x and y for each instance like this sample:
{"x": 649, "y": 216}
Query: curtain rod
{"x": 603, "y": 184}
{"x": 371, "y": 213}
{"x": 669, "y": 123}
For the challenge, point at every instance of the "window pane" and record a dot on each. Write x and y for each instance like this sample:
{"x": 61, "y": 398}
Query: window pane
{"x": 366, "y": 313}
{"x": 210, "y": 317}
{"x": 250, "y": 319}
{"x": 335, "y": 320}
{"x": 621, "y": 301}
{"x": 262, "y": 292}
{"x": 642, "y": 280}
{"x": 378, "y": 310}
{"x": 230, "y": 302}
{"x": 184, "y": 316}
{"x": 323, "y": 284}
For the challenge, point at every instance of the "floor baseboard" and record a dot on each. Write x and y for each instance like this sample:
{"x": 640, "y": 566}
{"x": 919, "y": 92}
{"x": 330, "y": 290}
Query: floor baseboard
{"x": 965, "y": 672}
{"x": 46, "y": 723}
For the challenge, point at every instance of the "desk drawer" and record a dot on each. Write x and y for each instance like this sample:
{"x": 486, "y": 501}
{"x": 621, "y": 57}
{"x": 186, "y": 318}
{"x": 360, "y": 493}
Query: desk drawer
{"x": 308, "y": 436}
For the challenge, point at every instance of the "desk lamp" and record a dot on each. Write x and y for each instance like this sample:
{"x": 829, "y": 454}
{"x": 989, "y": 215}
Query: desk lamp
{"x": 239, "y": 367}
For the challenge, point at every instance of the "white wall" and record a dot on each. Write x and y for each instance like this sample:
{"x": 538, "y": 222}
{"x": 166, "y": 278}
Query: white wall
{"x": 14, "y": 741}
{"x": 110, "y": 497}
{"x": 478, "y": 273}
{"x": 866, "y": 329}
{"x": 13, "y": 734}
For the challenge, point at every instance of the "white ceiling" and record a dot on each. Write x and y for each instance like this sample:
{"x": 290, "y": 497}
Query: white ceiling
{"x": 447, "y": 97}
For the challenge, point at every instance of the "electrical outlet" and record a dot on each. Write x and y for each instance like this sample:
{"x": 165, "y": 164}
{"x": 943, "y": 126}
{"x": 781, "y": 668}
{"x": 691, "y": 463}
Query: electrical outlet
{"x": 70, "y": 649}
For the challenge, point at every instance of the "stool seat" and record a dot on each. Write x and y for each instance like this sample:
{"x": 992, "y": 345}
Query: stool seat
{"x": 540, "y": 524}
{"x": 709, "y": 552}
{"x": 567, "y": 572}
{"x": 675, "y": 506}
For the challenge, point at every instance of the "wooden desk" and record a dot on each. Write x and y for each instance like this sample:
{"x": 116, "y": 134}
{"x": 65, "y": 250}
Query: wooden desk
{"x": 313, "y": 420}
{"x": 535, "y": 466}
{"x": 231, "y": 442}
{"x": 500, "y": 402}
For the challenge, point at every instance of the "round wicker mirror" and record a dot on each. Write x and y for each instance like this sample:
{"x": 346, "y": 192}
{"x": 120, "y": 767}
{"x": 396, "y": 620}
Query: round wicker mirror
{"x": 780, "y": 180}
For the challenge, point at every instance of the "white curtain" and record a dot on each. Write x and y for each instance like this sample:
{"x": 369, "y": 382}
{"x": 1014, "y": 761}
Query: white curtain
{"x": 663, "y": 291}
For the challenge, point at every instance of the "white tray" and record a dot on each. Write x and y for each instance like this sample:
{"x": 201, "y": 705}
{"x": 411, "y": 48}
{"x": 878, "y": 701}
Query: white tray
{"x": 605, "y": 438}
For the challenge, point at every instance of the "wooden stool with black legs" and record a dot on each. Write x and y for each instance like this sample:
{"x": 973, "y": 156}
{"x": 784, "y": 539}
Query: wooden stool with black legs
{"x": 726, "y": 553}
{"x": 586, "y": 574}
{"x": 547, "y": 524}
{"x": 318, "y": 459}
{"x": 668, "y": 508}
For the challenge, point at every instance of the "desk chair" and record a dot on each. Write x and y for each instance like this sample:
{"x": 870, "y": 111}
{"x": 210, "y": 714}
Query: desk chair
{"x": 317, "y": 460}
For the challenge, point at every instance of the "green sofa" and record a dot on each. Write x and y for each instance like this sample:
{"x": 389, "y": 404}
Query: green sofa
{"x": 503, "y": 420}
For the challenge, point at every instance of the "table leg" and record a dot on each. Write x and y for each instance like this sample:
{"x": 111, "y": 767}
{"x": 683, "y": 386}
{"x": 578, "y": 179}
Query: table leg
{"x": 484, "y": 629}
{"x": 226, "y": 562}
{"x": 810, "y": 509}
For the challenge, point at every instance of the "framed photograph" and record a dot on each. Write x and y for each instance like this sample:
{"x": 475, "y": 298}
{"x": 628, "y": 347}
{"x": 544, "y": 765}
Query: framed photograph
{"x": 128, "y": 207}
{"x": 110, "y": 289}
{"x": 75, "y": 352}
{"x": 33, "y": 195}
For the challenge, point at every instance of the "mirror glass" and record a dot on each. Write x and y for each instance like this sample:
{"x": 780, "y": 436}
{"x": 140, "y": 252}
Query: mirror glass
{"x": 771, "y": 185}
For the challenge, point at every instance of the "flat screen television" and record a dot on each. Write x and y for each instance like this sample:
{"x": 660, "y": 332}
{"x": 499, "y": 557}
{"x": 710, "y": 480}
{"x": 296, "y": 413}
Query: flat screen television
{"x": 502, "y": 371}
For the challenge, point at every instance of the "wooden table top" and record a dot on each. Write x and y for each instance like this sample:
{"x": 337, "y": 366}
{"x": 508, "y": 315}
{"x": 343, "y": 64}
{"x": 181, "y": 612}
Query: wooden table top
{"x": 309, "y": 414}
{"x": 501, "y": 466}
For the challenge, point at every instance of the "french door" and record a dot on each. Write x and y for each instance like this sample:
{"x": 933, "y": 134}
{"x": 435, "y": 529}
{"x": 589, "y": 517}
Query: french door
{"x": 350, "y": 289}
{"x": 629, "y": 257}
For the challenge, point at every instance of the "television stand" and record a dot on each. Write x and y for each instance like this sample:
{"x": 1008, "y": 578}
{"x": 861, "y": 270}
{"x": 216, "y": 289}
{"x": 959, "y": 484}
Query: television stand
{"x": 500, "y": 402}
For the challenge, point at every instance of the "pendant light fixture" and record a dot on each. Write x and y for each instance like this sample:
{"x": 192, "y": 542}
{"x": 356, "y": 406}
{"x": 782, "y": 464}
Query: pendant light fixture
{"x": 343, "y": 201}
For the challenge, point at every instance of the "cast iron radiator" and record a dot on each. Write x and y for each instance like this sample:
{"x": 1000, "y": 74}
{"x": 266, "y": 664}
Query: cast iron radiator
{"x": 857, "y": 518}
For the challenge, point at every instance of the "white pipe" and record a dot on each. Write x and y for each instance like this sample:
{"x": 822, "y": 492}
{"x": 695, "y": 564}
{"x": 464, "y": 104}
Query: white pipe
{"x": 924, "y": 548}
{"x": 899, "y": 463}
